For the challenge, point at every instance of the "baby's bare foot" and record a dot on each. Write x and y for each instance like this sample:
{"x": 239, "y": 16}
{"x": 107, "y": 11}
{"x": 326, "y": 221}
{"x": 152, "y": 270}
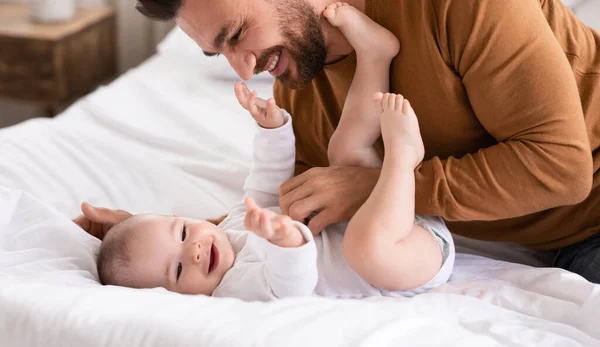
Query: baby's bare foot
{"x": 371, "y": 41}
{"x": 399, "y": 129}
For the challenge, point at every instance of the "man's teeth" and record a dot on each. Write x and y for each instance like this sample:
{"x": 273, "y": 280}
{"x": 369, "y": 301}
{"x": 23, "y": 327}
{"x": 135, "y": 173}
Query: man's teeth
{"x": 275, "y": 61}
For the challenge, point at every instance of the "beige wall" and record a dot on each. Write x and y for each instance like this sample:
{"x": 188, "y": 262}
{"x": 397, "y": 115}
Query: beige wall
{"x": 138, "y": 36}
{"x": 137, "y": 39}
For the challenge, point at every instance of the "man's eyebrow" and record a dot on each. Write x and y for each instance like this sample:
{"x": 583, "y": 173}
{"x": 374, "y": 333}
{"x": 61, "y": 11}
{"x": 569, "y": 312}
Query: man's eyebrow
{"x": 220, "y": 39}
{"x": 222, "y": 35}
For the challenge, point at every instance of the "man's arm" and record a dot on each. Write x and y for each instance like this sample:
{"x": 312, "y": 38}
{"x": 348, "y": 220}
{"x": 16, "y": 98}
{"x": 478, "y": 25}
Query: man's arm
{"x": 523, "y": 91}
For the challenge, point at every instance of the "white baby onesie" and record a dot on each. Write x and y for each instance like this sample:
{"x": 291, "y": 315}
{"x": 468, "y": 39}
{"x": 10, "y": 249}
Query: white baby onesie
{"x": 263, "y": 271}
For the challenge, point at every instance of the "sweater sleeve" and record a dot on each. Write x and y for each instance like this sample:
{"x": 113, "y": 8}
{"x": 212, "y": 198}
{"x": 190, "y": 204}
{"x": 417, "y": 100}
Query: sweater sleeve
{"x": 523, "y": 91}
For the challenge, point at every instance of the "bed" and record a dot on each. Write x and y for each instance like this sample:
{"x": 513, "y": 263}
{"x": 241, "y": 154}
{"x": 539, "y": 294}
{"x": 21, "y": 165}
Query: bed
{"x": 168, "y": 137}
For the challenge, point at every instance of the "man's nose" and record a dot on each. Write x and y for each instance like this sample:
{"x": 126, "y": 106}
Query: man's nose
{"x": 243, "y": 63}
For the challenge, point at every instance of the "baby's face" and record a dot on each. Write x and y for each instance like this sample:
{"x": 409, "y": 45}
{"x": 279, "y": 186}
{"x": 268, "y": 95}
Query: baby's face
{"x": 182, "y": 255}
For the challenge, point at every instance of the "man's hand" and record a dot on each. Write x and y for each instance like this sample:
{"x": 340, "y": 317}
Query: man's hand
{"x": 96, "y": 221}
{"x": 333, "y": 193}
{"x": 273, "y": 227}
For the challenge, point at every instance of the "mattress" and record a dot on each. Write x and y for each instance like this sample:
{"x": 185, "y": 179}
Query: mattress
{"x": 169, "y": 137}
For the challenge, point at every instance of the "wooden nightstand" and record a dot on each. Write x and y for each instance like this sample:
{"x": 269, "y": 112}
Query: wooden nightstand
{"x": 53, "y": 64}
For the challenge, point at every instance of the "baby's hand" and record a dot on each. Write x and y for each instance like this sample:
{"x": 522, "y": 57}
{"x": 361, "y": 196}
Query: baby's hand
{"x": 265, "y": 113}
{"x": 273, "y": 227}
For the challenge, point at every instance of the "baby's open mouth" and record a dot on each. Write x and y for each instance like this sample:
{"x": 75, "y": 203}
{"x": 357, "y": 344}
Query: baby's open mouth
{"x": 214, "y": 258}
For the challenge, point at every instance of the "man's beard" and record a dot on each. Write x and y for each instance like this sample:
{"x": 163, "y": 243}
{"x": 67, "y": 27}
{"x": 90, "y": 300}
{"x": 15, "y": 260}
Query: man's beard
{"x": 304, "y": 40}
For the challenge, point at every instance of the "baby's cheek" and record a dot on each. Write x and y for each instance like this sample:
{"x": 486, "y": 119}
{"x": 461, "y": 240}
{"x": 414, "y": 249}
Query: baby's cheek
{"x": 195, "y": 283}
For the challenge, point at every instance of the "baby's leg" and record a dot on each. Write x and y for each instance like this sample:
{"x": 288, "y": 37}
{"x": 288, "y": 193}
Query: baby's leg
{"x": 382, "y": 243}
{"x": 359, "y": 128}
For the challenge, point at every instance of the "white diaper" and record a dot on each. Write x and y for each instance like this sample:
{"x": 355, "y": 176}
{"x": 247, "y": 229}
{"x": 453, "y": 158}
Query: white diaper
{"x": 438, "y": 229}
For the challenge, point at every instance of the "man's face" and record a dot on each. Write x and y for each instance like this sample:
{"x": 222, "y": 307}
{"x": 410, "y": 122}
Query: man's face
{"x": 284, "y": 37}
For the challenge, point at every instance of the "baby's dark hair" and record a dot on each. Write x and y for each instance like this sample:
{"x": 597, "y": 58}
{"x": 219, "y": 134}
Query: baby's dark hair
{"x": 113, "y": 258}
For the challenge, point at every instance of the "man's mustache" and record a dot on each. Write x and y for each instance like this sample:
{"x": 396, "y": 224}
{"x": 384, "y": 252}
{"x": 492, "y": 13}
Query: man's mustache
{"x": 263, "y": 60}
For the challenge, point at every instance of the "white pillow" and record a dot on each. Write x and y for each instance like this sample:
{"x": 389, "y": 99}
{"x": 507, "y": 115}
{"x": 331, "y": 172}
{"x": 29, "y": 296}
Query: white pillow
{"x": 41, "y": 244}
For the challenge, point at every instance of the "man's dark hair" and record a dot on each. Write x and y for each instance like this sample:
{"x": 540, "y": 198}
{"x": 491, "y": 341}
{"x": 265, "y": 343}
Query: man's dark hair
{"x": 162, "y": 10}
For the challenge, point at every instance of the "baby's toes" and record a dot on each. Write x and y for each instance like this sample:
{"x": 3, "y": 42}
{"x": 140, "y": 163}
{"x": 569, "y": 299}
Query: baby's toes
{"x": 407, "y": 109}
{"x": 332, "y": 15}
{"x": 389, "y": 100}
{"x": 399, "y": 103}
{"x": 378, "y": 102}
{"x": 329, "y": 11}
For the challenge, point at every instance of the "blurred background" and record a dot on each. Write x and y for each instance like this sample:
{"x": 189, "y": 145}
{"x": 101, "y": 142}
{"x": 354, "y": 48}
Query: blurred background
{"x": 136, "y": 39}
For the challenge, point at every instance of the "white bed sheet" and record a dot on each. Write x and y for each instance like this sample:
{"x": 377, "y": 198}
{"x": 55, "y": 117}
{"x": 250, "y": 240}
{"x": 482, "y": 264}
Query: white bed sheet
{"x": 169, "y": 137}
{"x": 49, "y": 296}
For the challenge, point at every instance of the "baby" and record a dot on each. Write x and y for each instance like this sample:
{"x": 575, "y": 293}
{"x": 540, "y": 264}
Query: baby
{"x": 258, "y": 254}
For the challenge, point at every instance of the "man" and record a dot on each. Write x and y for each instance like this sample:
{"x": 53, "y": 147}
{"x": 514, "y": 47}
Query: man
{"x": 507, "y": 94}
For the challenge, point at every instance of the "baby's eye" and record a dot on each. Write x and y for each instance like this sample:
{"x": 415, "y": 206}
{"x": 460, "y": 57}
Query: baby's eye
{"x": 184, "y": 233}
{"x": 179, "y": 268}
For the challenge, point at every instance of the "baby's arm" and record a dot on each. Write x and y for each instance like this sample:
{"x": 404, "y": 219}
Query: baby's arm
{"x": 265, "y": 271}
{"x": 274, "y": 148}
{"x": 290, "y": 257}
{"x": 274, "y": 153}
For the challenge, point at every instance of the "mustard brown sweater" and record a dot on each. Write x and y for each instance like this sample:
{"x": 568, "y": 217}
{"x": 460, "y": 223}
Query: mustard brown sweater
{"x": 507, "y": 93}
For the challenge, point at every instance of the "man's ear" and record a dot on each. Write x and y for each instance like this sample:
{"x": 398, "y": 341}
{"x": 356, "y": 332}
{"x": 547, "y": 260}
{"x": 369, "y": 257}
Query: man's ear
{"x": 103, "y": 215}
